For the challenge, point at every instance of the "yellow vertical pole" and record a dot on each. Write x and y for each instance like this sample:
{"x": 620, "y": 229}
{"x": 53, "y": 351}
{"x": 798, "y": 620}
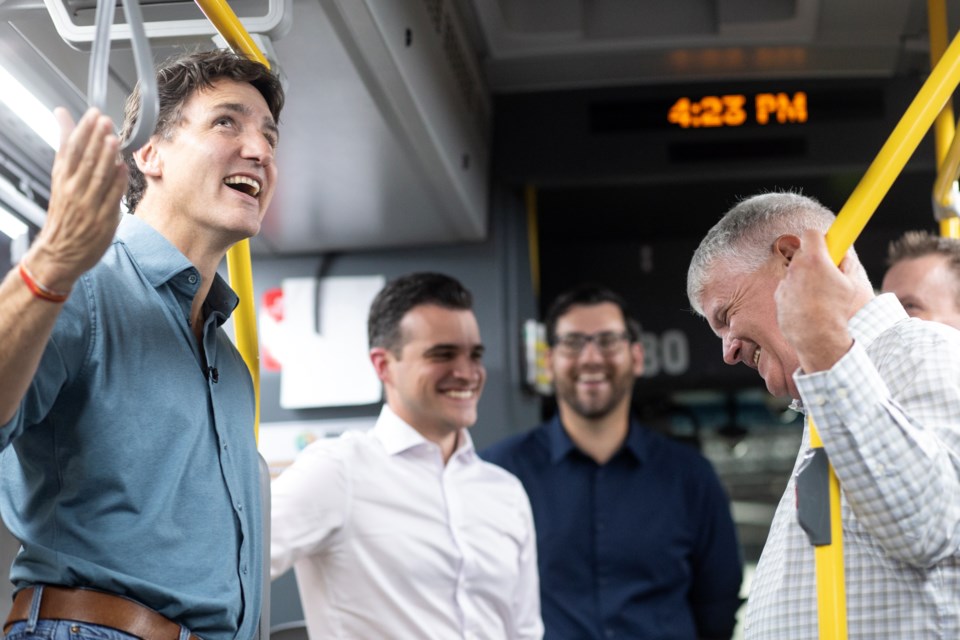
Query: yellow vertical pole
{"x": 937, "y": 27}
{"x": 950, "y": 228}
{"x": 831, "y": 581}
{"x": 240, "y": 270}
{"x": 225, "y": 21}
{"x": 533, "y": 237}
{"x": 944, "y": 129}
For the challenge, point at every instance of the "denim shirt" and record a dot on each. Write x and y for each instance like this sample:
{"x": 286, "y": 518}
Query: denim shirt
{"x": 133, "y": 466}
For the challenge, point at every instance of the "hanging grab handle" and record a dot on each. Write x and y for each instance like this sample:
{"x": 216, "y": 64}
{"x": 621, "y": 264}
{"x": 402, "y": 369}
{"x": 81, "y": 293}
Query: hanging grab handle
{"x": 99, "y": 65}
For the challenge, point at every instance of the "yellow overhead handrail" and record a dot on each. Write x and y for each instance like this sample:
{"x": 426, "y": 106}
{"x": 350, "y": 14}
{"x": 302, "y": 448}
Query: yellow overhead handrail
{"x": 947, "y": 146}
{"x": 893, "y": 156}
{"x": 852, "y": 218}
{"x": 225, "y": 21}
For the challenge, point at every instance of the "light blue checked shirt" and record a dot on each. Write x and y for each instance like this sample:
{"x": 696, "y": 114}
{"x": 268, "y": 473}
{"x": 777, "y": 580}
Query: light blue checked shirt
{"x": 889, "y": 416}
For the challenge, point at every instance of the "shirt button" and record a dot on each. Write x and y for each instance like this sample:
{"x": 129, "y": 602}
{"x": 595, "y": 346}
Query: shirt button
{"x": 239, "y": 507}
{"x": 192, "y": 279}
{"x": 243, "y": 569}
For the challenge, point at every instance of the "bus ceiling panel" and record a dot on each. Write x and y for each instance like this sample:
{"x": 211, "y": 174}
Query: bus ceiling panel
{"x": 532, "y": 45}
{"x": 385, "y": 136}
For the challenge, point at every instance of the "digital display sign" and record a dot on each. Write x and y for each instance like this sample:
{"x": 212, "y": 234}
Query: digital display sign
{"x": 734, "y": 107}
{"x": 737, "y": 109}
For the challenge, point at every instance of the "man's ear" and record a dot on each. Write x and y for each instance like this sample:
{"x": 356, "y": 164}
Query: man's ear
{"x": 786, "y": 246}
{"x": 548, "y": 364}
{"x": 148, "y": 159}
{"x": 380, "y": 358}
{"x": 636, "y": 349}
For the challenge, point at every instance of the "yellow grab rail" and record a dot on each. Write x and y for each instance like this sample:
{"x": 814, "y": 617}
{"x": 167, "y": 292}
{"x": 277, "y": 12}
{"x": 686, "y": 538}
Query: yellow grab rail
{"x": 893, "y": 156}
{"x": 937, "y": 27}
{"x": 947, "y": 146}
{"x": 950, "y": 227}
{"x": 245, "y": 319}
{"x": 852, "y": 218}
{"x": 228, "y": 25}
{"x": 225, "y": 21}
{"x": 831, "y": 583}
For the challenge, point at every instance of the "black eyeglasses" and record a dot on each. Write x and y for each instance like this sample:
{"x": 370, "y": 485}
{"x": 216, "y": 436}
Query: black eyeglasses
{"x": 608, "y": 342}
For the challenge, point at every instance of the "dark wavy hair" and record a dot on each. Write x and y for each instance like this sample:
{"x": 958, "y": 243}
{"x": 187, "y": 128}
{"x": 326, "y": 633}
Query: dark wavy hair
{"x": 177, "y": 80}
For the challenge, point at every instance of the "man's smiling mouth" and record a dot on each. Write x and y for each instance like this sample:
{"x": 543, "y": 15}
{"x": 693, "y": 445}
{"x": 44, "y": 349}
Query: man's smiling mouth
{"x": 247, "y": 185}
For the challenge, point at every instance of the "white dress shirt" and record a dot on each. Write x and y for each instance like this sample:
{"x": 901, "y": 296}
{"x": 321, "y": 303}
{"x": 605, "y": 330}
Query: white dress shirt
{"x": 889, "y": 415}
{"x": 388, "y": 542}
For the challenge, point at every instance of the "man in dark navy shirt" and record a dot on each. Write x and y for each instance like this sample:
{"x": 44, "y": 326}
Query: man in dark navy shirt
{"x": 634, "y": 533}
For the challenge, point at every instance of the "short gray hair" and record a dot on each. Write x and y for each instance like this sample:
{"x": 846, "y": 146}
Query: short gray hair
{"x": 746, "y": 233}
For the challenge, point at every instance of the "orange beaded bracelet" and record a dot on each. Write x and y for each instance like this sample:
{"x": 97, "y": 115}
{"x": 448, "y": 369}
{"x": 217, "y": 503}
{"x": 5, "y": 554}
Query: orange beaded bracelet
{"x": 39, "y": 290}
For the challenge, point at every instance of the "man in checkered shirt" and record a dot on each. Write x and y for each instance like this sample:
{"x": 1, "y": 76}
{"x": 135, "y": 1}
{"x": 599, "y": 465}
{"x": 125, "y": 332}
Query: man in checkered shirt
{"x": 884, "y": 392}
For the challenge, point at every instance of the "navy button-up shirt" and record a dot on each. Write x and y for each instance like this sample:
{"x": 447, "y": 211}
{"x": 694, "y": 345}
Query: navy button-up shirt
{"x": 131, "y": 468}
{"x": 640, "y": 547}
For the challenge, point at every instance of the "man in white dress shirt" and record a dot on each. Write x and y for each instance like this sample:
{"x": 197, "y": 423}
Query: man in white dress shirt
{"x": 403, "y": 531}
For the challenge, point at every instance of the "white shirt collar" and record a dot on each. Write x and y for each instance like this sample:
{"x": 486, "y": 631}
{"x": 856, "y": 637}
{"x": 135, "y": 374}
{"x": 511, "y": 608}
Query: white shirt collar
{"x": 398, "y": 436}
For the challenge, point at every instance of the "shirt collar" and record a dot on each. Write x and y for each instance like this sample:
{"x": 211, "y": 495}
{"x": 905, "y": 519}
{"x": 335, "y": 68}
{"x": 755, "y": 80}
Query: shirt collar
{"x": 397, "y": 436}
{"x": 221, "y": 300}
{"x": 561, "y": 445}
{"x": 637, "y": 442}
{"x": 160, "y": 262}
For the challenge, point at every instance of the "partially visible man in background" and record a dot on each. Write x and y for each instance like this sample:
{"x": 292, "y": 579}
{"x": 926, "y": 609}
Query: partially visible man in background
{"x": 924, "y": 273}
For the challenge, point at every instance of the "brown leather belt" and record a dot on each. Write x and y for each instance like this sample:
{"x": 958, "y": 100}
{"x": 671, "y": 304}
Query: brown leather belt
{"x": 95, "y": 607}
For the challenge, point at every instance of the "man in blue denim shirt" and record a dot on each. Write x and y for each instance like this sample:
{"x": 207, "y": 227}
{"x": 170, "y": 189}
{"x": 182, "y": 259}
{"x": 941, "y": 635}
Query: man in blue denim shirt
{"x": 131, "y": 476}
{"x": 634, "y": 534}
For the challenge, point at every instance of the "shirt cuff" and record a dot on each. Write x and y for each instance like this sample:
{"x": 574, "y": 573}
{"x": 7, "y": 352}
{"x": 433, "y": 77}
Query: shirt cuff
{"x": 848, "y": 388}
